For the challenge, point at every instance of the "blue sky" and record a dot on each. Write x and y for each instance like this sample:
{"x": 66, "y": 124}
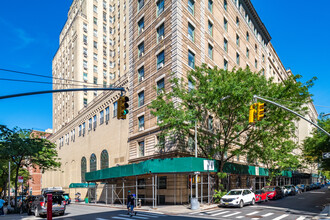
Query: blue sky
{"x": 30, "y": 36}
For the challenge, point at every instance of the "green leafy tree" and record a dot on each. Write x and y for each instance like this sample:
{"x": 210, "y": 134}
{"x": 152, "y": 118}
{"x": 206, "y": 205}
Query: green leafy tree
{"x": 218, "y": 101}
{"x": 23, "y": 151}
{"x": 318, "y": 143}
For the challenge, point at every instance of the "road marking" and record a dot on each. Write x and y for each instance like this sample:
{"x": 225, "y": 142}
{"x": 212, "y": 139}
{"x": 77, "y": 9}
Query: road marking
{"x": 235, "y": 213}
{"x": 121, "y": 218}
{"x": 280, "y": 217}
{"x": 214, "y": 211}
{"x": 134, "y": 216}
{"x": 252, "y": 213}
{"x": 152, "y": 216}
{"x": 254, "y": 218}
{"x": 240, "y": 217}
{"x": 101, "y": 219}
{"x": 219, "y": 213}
{"x": 301, "y": 218}
{"x": 268, "y": 214}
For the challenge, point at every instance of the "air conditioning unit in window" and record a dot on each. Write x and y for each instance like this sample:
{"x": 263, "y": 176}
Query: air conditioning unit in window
{"x": 161, "y": 65}
{"x": 141, "y": 128}
{"x": 160, "y": 38}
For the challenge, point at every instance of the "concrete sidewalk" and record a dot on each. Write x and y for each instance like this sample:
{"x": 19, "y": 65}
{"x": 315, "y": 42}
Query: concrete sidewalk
{"x": 325, "y": 214}
{"x": 165, "y": 209}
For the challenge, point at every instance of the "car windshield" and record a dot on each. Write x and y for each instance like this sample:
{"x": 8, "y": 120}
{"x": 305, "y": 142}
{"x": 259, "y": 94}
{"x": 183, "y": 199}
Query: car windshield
{"x": 288, "y": 187}
{"x": 258, "y": 192}
{"x": 269, "y": 189}
{"x": 234, "y": 192}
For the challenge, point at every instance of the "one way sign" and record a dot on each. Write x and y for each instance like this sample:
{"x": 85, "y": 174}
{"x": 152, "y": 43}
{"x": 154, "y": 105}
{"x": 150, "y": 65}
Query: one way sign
{"x": 326, "y": 155}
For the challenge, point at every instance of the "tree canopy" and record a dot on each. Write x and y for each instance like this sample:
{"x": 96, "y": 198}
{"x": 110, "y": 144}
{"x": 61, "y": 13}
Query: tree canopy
{"x": 218, "y": 101}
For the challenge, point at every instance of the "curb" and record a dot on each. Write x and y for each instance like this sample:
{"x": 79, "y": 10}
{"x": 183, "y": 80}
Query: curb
{"x": 324, "y": 214}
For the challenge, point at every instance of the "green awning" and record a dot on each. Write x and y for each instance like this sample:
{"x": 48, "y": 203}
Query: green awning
{"x": 82, "y": 185}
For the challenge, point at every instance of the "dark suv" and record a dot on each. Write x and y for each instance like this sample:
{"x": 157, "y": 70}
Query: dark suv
{"x": 39, "y": 205}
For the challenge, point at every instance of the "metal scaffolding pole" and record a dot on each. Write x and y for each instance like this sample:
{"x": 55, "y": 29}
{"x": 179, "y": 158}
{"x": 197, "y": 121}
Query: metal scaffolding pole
{"x": 191, "y": 186}
{"x": 175, "y": 189}
{"x": 112, "y": 194}
{"x": 208, "y": 188}
{"x": 136, "y": 190}
{"x": 202, "y": 188}
{"x": 156, "y": 191}
{"x": 153, "y": 192}
{"x": 106, "y": 193}
{"x": 123, "y": 192}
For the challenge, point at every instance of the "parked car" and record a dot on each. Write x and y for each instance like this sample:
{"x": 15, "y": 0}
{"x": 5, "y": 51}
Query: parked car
{"x": 238, "y": 197}
{"x": 301, "y": 187}
{"x": 67, "y": 198}
{"x": 261, "y": 195}
{"x": 28, "y": 202}
{"x": 291, "y": 189}
{"x": 308, "y": 187}
{"x": 284, "y": 190}
{"x": 39, "y": 204}
{"x": 312, "y": 186}
{"x": 273, "y": 192}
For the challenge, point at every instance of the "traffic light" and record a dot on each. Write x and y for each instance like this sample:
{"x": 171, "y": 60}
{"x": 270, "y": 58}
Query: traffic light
{"x": 252, "y": 112}
{"x": 122, "y": 108}
{"x": 260, "y": 111}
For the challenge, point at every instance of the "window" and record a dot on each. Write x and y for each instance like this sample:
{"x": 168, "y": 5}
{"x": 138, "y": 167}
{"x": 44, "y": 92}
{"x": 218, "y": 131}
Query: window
{"x": 141, "y": 183}
{"x": 225, "y": 24}
{"x": 210, "y": 52}
{"x": 256, "y": 48}
{"x": 95, "y": 33}
{"x": 85, "y": 39}
{"x": 247, "y": 36}
{"x": 160, "y": 60}
{"x": 94, "y": 121}
{"x": 79, "y": 131}
{"x": 225, "y": 44}
{"x": 141, "y": 49}
{"x": 191, "y": 32}
{"x": 191, "y": 59}
{"x": 92, "y": 165}
{"x": 95, "y": 56}
{"x": 237, "y": 40}
{"x": 247, "y": 52}
{"x": 95, "y": 44}
{"x": 104, "y": 159}
{"x": 210, "y": 123}
{"x": 95, "y": 20}
{"x": 210, "y": 27}
{"x": 237, "y": 157}
{"x": 85, "y": 77}
{"x": 160, "y": 7}
{"x": 160, "y": 33}
{"x": 107, "y": 115}
{"x": 90, "y": 124}
{"x": 162, "y": 182}
{"x": 225, "y": 64}
{"x": 191, "y": 6}
{"x": 95, "y": 69}
{"x": 190, "y": 86}
{"x": 85, "y": 102}
{"x": 237, "y": 21}
{"x": 95, "y": 8}
{"x": 115, "y": 105}
{"x": 141, "y": 123}
{"x": 160, "y": 86}
{"x": 141, "y": 25}
{"x": 141, "y": 148}
{"x": 101, "y": 117}
{"x": 256, "y": 63}
{"x": 140, "y": 4}
{"x": 263, "y": 58}
{"x": 225, "y": 5}
{"x": 83, "y": 168}
{"x": 141, "y": 99}
{"x": 141, "y": 74}
{"x": 237, "y": 58}
{"x": 210, "y": 6}
{"x": 191, "y": 144}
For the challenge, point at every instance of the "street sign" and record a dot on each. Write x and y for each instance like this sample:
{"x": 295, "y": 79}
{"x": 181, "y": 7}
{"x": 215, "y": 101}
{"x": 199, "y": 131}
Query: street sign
{"x": 326, "y": 155}
{"x": 20, "y": 179}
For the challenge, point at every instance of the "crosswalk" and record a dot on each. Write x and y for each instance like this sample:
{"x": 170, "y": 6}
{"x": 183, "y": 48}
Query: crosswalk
{"x": 139, "y": 215}
{"x": 248, "y": 214}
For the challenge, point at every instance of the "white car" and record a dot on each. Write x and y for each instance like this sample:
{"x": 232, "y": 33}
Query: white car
{"x": 238, "y": 197}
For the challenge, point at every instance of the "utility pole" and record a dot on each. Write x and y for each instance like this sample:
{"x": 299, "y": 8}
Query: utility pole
{"x": 196, "y": 157}
{"x": 9, "y": 183}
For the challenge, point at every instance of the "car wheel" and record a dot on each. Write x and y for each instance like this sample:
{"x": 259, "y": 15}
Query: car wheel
{"x": 241, "y": 204}
{"x": 36, "y": 212}
{"x": 253, "y": 202}
{"x": 62, "y": 213}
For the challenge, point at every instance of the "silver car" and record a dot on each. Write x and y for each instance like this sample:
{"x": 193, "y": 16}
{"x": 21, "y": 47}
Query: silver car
{"x": 39, "y": 204}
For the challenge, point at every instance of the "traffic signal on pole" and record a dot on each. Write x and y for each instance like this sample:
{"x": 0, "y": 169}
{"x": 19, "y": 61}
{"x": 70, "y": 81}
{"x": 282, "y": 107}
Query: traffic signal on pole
{"x": 122, "y": 108}
{"x": 252, "y": 113}
{"x": 260, "y": 111}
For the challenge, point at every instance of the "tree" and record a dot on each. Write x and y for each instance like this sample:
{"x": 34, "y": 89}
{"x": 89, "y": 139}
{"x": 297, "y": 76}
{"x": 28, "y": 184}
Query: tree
{"x": 23, "y": 151}
{"x": 218, "y": 100}
{"x": 318, "y": 143}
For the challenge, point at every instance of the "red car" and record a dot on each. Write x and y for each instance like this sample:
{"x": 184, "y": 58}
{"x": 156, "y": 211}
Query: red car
{"x": 273, "y": 192}
{"x": 260, "y": 196}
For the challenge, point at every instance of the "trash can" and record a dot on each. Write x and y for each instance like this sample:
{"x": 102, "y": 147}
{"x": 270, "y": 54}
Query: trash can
{"x": 194, "y": 204}
{"x": 86, "y": 200}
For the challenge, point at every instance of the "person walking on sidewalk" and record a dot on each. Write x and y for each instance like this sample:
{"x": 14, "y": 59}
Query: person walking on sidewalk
{"x": 130, "y": 204}
{"x": 1, "y": 206}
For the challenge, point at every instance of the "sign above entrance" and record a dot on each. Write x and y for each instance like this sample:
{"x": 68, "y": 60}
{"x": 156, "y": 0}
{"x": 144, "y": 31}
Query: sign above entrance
{"x": 208, "y": 165}
{"x": 20, "y": 179}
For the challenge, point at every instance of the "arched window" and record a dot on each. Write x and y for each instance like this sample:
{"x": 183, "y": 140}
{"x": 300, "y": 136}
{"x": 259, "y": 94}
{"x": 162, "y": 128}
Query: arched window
{"x": 92, "y": 163}
{"x": 83, "y": 169}
{"x": 104, "y": 159}
{"x": 92, "y": 160}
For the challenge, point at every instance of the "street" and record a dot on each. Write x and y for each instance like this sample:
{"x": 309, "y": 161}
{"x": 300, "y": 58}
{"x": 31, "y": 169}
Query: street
{"x": 302, "y": 206}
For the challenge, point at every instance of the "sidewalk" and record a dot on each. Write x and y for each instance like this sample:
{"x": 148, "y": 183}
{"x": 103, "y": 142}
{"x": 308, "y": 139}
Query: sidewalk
{"x": 165, "y": 209}
{"x": 325, "y": 214}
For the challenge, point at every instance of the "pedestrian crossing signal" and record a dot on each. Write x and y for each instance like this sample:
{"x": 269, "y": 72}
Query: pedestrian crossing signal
{"x": 122, "y": 108}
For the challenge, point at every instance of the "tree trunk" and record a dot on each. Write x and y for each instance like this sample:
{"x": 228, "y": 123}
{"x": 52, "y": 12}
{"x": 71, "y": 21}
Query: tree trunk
{"x": 16, "y": 178}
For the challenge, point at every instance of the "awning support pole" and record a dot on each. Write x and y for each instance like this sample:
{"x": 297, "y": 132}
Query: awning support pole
{"x": 95, "y": 193}
{"x": 106, "y": 193}
{"x": 208, "y": 188}
{"x": 175, "y": 189}
{"x": 156, "y": 191}
{"x": 112, "y": 194}
{"x": 136, "y": 190}
{"x": 153, "y": 192}
{"x": 201, "y": 188}
{"x": 191, "y": 186}
{"x": 123, "y": 192}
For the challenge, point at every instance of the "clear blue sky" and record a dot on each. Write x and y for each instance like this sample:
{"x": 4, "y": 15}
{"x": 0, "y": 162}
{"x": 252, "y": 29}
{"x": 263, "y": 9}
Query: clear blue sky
{"x": 30, "y": 35}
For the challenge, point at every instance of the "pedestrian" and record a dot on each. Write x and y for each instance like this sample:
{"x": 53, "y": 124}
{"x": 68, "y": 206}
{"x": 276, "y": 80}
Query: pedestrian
{"x": 1, "y": 206}
{"x": 130, "y": 204}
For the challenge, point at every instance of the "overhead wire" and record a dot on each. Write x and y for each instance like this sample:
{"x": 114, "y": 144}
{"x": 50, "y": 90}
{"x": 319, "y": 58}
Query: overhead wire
{"x": 50, "y": 77}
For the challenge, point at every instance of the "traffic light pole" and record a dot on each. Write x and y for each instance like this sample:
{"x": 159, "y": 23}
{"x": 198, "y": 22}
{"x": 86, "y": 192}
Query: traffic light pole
{"x": 255, "y": 97}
